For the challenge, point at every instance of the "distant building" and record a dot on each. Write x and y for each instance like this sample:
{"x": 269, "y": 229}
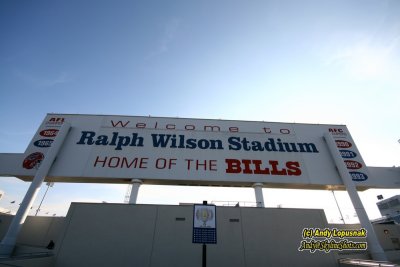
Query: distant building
{"x": 389, "y": 207}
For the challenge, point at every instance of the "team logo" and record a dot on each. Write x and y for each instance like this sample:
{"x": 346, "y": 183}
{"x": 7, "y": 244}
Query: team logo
{"x": 49, "y": 133}
{"x": 43, "y": 143}
{"x": 33, "y": 160}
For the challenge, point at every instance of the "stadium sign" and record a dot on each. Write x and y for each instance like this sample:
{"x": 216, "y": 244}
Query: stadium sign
{"x": 157, "y": 150}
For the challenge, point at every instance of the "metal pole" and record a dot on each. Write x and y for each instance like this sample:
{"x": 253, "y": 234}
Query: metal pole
{"x": 204, "y": 258}
{"x": 38, "y": 209}
{"x": 259, "y": 194}
{"x": 8, "y": 243}
{"x": 374, "y": 247}
{"x": 337, "y": 204}
{"x": 135, "y": 190}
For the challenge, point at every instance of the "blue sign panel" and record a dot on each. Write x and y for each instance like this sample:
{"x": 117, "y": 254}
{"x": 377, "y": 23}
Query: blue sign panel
{"x": 204, "y": 224}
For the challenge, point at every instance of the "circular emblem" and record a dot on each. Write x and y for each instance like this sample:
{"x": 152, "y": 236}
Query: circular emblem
{"x": 204, "y": 215}
{"x": 33, "y": 160}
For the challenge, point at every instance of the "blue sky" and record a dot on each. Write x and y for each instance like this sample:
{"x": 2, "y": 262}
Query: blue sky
{"x": 292, "y": 61}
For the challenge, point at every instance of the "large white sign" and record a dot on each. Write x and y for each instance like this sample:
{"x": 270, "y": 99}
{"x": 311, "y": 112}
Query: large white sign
{"x": 116, "y": 149}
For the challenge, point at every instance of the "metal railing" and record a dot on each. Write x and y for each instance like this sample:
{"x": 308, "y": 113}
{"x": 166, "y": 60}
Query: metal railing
{"x": 360, "y": 262}
{"x": 234, "y": 203}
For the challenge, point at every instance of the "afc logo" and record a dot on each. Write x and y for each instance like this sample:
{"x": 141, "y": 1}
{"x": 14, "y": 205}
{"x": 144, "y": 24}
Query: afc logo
{"x": 337, "y": 131}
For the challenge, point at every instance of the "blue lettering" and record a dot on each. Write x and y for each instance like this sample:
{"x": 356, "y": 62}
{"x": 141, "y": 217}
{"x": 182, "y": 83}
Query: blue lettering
{"x": 102, "y": 140}
{"x": 160, "y": 140}
{"x": 122, "y": 141}
{"x": 234, "y": 143}
{"x": 191, "y": 143}
{"x": 88, "y": 137}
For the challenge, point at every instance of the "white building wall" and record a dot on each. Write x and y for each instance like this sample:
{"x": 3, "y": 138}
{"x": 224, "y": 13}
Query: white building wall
{"x": 157, "y": 235}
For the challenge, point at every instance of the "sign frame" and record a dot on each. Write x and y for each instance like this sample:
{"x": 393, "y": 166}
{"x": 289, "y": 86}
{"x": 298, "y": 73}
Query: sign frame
{"x": 204, "y": 224}
{"x": 205, "y": 152}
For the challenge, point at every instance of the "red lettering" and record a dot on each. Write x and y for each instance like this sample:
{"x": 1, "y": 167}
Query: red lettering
{"x": 284, "y": 131}
{"x": 352, "y": 164}
{"x": 110, "y": 162}
{"x": 203, "y": 165}
{"x": 247, "y": 163}
{"x": 293, "y": 168}
{"x": 258, "y": 170}
{"x": 343, "y": 144}
{"x": 172, "y": 162}
{"x": 189, "y": 161}
{"x": 274, "y": 164}
{"x": 115, "y": 124}
{"x": 57, "y": 119}
{"x": 213, "y": 165}
{"x": 161, "y": 163}
{"x": 120, "y": 162}
{"x": 140, "y": 125}
{"x": 267, "y": 130}
{"x": 233, "y": 166}
{"x": 143, "y": 163}
{"x": 206, "y": 127}
{"x": 128, "y": 165}
{"x": 190, "y": 127}
{"x": 99, "y": 161}
{"x": 247, "y": 166}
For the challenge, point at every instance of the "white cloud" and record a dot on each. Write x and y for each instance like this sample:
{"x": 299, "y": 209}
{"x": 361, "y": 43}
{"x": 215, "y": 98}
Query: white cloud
{"x": 169, "y": 33}
{"x": 44, "y": 82}
{"x": 366, "y": 57}
{"x": 61, "y": 78}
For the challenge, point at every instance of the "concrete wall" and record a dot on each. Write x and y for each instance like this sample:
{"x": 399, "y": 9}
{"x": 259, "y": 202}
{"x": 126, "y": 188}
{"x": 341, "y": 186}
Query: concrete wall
{"x": 35, "y": 262}
{"x": 33, "y": 238}
{"x": 107, "y": 235}
{"x": 156, "y": 236}
{"x": 147, "y": 235}
{"x": 389, "y": 237}
{"x": 272, "y": 237}
{"x": 36, "y": 231}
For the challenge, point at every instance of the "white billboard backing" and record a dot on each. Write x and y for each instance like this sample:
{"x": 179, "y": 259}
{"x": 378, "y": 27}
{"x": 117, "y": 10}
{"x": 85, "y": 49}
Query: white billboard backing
{"x": 157, "y": 150}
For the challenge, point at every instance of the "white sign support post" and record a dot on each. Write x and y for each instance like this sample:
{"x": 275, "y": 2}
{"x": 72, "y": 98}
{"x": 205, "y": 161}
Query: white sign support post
{"x": 259, "y": 195}
{"x": 375, "y": 248}
{"x": 135, "y": 190}
{"x": 8, "y": 243}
